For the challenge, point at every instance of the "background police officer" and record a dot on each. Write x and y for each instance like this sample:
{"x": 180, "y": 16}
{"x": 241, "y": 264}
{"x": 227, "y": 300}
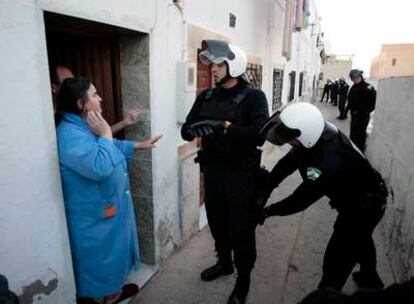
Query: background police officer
{"x": 326, "y": 90}
{"x": 334, "y": 92}
{"x": 228, "y": 119}
{"x": 361, "y": 102}
{"x": 330, "y": 165}
{"x": 343, "y": 95}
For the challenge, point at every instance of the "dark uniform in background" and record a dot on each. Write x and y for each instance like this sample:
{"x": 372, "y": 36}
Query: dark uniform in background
{"x": 343, "y": 95}
{"x": 334, "y": 92}
{"x": 326, "y": 90}
{"x": 361, "y": 102}
{"x": 333, "y": 167}
{"x": 230, "y": 160}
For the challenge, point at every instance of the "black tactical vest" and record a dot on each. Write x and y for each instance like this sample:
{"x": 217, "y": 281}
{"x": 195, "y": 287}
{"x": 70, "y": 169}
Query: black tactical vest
{"x": 217, "y": 147}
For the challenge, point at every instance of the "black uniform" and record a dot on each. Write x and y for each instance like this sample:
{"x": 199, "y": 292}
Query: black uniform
{"x": 326, "y": 90}
{"x": 402, "y": 293}
{"x": 334, "y": 93}
{"x": 343, "y": 95}
{"x": 333, "y": 167}
{"x": 230, "y": 164}
{"x": 361, "y": 102}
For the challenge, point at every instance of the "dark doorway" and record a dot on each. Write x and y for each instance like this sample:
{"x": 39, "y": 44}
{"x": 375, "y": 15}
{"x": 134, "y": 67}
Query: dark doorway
{"x": 88, "y": 49}
{"x": 292, "y": 77}
{"x": 109, "y": 54}
{"x": 300, "y": 83}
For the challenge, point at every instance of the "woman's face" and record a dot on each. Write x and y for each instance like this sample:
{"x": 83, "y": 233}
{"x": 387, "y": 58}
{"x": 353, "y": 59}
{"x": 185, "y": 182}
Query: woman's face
{"x": 93, "y": 101}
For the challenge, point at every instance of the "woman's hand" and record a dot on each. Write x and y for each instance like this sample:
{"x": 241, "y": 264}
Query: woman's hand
{"x": 131, "y": 117}
{"x": 98, "y": 124}
{"x": 147, "y": 144}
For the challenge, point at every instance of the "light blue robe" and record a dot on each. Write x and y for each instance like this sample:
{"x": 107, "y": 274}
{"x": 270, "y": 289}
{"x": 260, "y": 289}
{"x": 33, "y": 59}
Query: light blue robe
{"x": 95, "y": 177}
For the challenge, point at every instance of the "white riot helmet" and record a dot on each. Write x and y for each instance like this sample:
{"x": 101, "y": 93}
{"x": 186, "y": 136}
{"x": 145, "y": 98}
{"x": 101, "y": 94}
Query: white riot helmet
{"x": 301, "y": 121}
{"x": 217, "y": 51}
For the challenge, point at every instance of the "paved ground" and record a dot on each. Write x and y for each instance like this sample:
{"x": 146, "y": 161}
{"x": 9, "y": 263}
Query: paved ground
{"x": 290, "y": 252}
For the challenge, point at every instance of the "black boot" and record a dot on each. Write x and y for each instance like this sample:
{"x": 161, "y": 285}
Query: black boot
{"x": 241, "y": 289}
{"x": 222, "y": 267}
{"x": 367, "y": 281}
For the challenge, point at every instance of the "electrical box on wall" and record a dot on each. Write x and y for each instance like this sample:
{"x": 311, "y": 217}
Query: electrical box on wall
{"x": 186, "y": 92}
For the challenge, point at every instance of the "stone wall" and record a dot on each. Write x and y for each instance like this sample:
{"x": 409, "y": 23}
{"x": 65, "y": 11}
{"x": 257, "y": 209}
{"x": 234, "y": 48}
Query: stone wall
{"x": 391, "y": 151}
{"x": 134, "y": 51}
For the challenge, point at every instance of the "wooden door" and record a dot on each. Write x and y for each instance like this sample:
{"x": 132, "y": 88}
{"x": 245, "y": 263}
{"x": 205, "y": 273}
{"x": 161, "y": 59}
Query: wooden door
{"x": 92, "y": 57}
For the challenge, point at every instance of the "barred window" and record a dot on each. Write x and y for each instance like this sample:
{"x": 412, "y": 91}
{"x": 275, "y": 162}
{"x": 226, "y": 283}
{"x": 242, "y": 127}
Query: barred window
{"x": 277, "y": 89}
{"x": 254, "y": 73}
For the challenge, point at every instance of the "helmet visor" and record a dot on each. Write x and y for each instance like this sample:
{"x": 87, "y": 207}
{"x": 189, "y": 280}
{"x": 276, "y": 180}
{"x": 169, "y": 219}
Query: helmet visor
{"x": 276, "y": 132}
{"x": 215, "y": 51}
{"x": 208, "y": 58}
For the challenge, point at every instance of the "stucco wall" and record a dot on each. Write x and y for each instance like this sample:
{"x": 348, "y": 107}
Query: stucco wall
{"x": 34, "y": 250}
{"x": 139, "y": 15}
{"x": 403, "y": 54}
{"x": 391, "y": 150}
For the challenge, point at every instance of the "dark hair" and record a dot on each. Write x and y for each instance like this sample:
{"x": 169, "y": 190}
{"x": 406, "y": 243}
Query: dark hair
{"x": 53, "y": 72}
{"x": 71, "y": 90}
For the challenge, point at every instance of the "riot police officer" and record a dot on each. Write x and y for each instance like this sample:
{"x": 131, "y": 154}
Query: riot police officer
{"x": 343, "y": 95}
{"x": 334, "y": 92}
{"x": 330, "y": 165}
{"x": 361, "y": 102}
{"x": 326, "y": 91}
{"x": 228, "y": 119}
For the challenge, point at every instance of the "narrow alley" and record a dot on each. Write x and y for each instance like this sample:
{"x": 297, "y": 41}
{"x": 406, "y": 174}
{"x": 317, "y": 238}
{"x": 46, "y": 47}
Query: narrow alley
{"x": 290, "y": 253}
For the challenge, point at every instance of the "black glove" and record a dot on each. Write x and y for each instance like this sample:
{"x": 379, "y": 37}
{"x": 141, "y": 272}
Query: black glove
{"x": 265, "y": 188}
{"x": 206, "y": 127}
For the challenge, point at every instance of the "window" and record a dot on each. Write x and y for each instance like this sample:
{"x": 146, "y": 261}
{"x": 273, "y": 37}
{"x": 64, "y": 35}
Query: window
{"x": 394, "y": 61}
{"x": 254, "y": 73}
{"x": 277, "y": 88}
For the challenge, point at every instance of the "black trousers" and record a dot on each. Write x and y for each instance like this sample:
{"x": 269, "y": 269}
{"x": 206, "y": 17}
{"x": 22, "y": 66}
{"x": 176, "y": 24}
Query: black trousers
{"x": 352, "y": 243}
{"x": 341, "y": 106}
{"x": 334, "y": 99}
{"x": 230, "y": 198}
{"x": 358, "y": 134}
{"x": 323, "y": 95}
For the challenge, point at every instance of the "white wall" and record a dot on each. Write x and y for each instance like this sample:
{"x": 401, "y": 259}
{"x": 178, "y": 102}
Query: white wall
{"x": 305, "y": 57}
{"x": 139, "y": 15}
{"x": 34, "y": 240}
{"x": 391, "y": 151}
{"x": 34, "y": 251}
{"x": 166, "y": 45}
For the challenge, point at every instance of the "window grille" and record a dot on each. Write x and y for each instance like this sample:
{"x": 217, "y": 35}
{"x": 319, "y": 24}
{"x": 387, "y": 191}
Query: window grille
{"x": 254, "y": 73}
{"x": 277, "y": 89}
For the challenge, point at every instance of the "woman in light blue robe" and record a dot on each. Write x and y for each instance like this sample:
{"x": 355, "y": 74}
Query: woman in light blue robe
{"x": 97, "y": 195}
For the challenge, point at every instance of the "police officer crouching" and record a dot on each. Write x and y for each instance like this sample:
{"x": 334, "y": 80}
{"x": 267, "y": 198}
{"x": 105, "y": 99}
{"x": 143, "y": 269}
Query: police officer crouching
{"x": 330, "y": 165}
{"x": 228, "y": 119}
{"x": 361, "y": 102}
